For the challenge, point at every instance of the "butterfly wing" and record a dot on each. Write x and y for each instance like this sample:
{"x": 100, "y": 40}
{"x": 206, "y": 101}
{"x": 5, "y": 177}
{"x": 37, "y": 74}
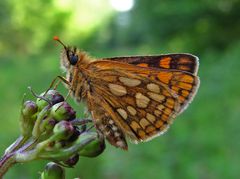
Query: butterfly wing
{"x": 137, "y": 101}
{"x": 184, "y": 62}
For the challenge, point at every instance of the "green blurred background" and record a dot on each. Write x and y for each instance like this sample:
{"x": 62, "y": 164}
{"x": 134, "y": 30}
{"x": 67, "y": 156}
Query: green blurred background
{"x": 202, "y": 143}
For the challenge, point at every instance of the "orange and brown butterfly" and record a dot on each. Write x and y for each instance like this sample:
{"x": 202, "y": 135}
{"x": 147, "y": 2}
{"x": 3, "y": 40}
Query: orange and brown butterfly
{"x": 136, "y": 97}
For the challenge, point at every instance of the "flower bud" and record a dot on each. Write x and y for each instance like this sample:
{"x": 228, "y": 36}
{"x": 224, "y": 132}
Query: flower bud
{"x": 94, "y": 148}
{"x": 48, "y": 124}
{"x": 52, "y": 95}
{"x": 72, "y": 160}
{"x": 64, "y": 130}
{"x": 53, "y": 171}
{"x": 29, "y": 109}
{"x": 51, "y": 124}
{"x": 62, "y": 111}
{"x": 75, "y": 135}
{"x": 27, "y": 118}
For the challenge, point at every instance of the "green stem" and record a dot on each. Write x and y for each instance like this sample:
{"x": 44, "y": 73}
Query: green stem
{"x": 16, "y": 145}
{"x": 6, "y": 162}
{"x": 36, "y": 129}
{"x": 26, "y": 156}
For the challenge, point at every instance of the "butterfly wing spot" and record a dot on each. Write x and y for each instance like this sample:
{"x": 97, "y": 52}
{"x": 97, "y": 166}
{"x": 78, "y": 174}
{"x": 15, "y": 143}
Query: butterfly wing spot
{"x": 184, "y": 93}
{"x": 131, "y": 110}
{"x": 153, "y": 88}
{"x": 113, "y": 134}
{"x": 151, "y": 118}
{"x": 159, "y": 123}
{"x": 184, "y": 68}
{"x": 117, "y": 134}
{"x": 167, "y": 111}
{"x": 111, "y": 122}
{"x": 135, "y": 126}
{"x": 165, "y": 62}
{"x": 122, "y": 113}
{"x": 142, "y": 64}
{"x": 186, "y": 86}
{"x": 165, "y": 77}
{"x": 117, "y": 90}
{"x": 114, "y": 128}
{"x": 143, "y": 122}
{"x": 156, "y": 97}
{"x": 157, "y": 113}
{"x": 170, "y": 103}
{"x": 160, "y": 107}
{"x": 129, "y": 81}
{"x": 150, "y": 129}
{"x": 165, "y": 117}
{"x": 142, "y": 134}
{"x": 121, "y": 144}
{"x": 141, "y": 100}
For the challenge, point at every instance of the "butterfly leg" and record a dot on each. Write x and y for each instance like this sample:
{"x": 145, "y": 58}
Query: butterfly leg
{"x": 56, "y": 81}
{"x": 60, "y": 79}
{"x": 80, "y": 122}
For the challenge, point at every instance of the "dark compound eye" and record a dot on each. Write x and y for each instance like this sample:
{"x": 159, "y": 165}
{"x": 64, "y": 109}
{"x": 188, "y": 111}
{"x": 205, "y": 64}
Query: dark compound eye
{"x": 73, "y": 59}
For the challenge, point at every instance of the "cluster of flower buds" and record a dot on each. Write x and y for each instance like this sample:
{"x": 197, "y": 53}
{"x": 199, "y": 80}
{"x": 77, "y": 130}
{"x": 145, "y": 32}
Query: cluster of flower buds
{"x": 50, "y": 130}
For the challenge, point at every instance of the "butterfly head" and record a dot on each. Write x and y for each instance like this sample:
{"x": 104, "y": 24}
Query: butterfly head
{"x": 69, "y": 55}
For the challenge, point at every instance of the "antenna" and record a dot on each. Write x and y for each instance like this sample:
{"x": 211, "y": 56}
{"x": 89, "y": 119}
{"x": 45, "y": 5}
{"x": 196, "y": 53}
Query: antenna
{"x": 56, "y": 38}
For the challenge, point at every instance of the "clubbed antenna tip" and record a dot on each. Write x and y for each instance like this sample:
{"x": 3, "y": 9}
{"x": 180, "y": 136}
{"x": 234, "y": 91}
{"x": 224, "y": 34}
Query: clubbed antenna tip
{"x": 56, "y": 38}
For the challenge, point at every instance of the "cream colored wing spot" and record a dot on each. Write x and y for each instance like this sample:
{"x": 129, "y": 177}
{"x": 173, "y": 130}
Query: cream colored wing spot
{"x": 143, "y": 122}
{"x": 135, "y": 126}
{"x": 117, "y": 134}
{"x": 160, "y": 107}
{"x": 122, "y": 113}
{"x": 114, "y": 128}
{"x": 117, "y": 90}
{"x": 157, "y": 113}
{"x": 151, "y": 117}
{"x": 132, "y": 110}
{"x": 156, "y": 97}
{"x": 111, "y": 122}
{"x": 167, "y": 111}
{"x": 153, "y": 88}
{"x": 170, "y": 103}
{"x": 141, "y": 100}
{"x": 129, "y": 81}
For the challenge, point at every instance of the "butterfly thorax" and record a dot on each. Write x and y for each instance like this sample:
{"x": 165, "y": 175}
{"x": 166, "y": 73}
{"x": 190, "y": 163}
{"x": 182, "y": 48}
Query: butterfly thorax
{"x": 77, "y": 74}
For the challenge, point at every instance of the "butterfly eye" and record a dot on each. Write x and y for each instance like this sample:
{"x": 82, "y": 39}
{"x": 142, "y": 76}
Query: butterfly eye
{"x": 73, "y": 59}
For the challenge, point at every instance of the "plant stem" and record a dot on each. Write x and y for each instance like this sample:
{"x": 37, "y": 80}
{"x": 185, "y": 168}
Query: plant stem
{"x": 16, "y": 145}
{"x": 6, "y": 162}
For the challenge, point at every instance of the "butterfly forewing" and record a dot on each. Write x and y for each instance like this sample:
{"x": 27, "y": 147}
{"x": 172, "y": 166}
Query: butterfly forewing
{"x": 182, "y": 62}
{"x": 140, "y": 100}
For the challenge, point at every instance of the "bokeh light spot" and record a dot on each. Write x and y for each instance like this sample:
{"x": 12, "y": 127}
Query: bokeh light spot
{"x": 122, "y": 5}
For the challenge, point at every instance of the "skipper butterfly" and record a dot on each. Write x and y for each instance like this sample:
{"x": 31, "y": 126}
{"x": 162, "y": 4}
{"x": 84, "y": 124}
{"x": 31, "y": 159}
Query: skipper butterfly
{"x": 136, "y": 97}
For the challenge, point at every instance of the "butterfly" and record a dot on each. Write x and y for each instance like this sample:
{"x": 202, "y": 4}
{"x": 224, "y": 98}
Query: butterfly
{"x": 134, "y": 97}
